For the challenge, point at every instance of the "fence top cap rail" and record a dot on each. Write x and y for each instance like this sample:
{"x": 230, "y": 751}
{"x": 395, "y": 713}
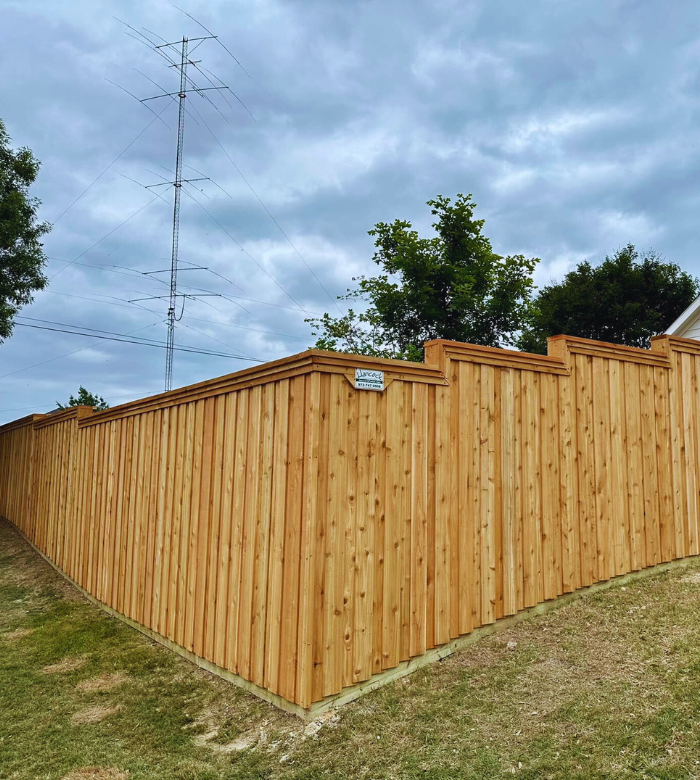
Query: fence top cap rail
{"x": 348, "y": 360}
{"x": 507, "y": 358}
{"x": 605, "y": 349}
{"x": 21, "y": 422}
{"x": 61, "y": 415}
{"x": 666, "y": 342}
{"x": 301, "y": 363}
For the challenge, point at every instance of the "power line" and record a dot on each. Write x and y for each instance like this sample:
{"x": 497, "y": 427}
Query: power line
{"x": 84, "y": 327}
{"x": 66, "y": 354}
{"x": 209, "y": 353}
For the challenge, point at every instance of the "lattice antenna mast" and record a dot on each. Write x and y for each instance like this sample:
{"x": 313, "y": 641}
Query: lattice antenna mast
{"x": 181, "y": 48}
{"x": 182, "y": 95}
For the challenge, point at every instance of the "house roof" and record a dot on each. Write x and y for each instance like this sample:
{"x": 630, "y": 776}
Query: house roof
{"x": 686, "y": 319}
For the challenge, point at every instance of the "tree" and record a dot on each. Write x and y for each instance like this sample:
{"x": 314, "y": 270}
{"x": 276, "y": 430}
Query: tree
{"x": 626, "y": 299}
{"x": 22, "y": 257}
{"x": 452, "y": 286}
{"x": 84, "y": 398}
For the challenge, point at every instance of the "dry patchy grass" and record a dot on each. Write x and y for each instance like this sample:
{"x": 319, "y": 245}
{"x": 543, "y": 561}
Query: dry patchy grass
{"x": 18, "y": 633}
{"x": 103, "y": 682}
{"x": 608, "y": 686}
{"x": 97, "y": 773}
{"x": 95, "y": 714}
{"x": 65, "y": 665}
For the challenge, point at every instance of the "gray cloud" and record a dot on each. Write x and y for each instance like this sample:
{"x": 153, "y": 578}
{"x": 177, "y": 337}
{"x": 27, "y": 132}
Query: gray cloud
{"x": 574, "y": 126}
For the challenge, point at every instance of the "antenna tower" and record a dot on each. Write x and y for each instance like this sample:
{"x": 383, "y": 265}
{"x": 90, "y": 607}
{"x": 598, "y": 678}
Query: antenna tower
{"x": 183, "y": 60}
{"x": 182, "y": 95}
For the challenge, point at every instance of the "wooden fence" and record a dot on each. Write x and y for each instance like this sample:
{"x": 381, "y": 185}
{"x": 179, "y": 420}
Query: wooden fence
{"x": 306, "y": 535}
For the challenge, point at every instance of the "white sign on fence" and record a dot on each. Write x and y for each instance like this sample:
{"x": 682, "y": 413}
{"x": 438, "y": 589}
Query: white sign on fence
{"x": 369, "y": 380}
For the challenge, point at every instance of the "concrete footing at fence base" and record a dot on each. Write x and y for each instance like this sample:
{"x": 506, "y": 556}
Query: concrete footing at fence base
{"x": 383, "y": 678}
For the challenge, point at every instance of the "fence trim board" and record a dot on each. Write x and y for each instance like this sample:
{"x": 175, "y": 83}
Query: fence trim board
{"x": 603, "y": 349}
{"x": 667, "y": 344}
{"x": 30, "y": 419}
{"x": 441, "y": 349}
{"x": 284, "y": 368}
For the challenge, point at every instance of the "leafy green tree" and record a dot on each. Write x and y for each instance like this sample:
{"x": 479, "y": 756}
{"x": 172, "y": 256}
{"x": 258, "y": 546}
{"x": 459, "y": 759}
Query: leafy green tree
{"x": 627, "y": 299}
{"x": 452, "y": 286}
{"x": 84, "y": 398}
{"x": 22, "y": 258}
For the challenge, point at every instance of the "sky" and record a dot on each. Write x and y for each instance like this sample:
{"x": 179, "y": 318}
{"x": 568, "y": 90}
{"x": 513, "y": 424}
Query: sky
{"x": 574, "y": 126}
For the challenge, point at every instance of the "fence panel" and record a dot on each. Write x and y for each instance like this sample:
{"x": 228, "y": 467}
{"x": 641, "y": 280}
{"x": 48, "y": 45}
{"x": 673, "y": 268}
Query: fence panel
{"x": 307, "y": 535}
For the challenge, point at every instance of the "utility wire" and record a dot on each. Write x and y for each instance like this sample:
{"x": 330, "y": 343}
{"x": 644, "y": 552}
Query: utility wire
{"x": 84, "y": 327}
{"x": 141, "y": 343}
{"x": 59, "y": 357}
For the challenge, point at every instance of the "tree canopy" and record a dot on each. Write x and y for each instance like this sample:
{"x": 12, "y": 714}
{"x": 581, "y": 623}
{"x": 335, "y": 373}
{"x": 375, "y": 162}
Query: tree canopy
{"x": 84, "y": 398}
{"x": 451, "y": 285}
{"x": 627, "y": 299}
{"x": 22, "y": 258}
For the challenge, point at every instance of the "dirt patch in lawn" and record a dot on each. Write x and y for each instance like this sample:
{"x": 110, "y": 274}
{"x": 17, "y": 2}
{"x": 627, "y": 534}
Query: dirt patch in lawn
{"x": 241, "y": 742}
{"x": 94, "y": 714}
{"x": 103, "y": 682}
{"x": 17, "y": 634}
{"x": 66, "y": 665}
{"x": 97, "y": 773}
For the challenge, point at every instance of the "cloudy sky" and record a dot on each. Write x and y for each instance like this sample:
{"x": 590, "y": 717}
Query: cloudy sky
{"x": 574, "y": 125}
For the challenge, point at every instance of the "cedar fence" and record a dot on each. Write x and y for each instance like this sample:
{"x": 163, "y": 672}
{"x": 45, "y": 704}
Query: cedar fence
{"x": 280, "y": 525}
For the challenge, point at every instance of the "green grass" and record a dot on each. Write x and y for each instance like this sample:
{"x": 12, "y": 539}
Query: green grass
{"x": 605, "y": 687}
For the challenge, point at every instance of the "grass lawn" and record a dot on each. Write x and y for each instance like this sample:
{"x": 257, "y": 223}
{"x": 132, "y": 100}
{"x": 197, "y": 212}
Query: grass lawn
{"x": 607, "y": 686}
